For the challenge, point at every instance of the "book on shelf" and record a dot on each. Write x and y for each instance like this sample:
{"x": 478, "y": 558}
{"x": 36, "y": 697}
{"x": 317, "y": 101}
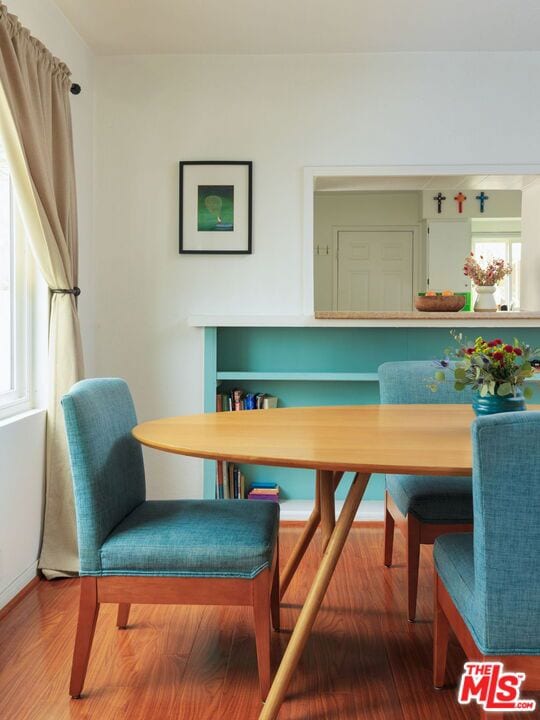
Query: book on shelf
{"x": 230, "y": 482}
{"x": 220, "y": 489}
{"x": 237, "y": 399}
{"x": 264, "y": 491}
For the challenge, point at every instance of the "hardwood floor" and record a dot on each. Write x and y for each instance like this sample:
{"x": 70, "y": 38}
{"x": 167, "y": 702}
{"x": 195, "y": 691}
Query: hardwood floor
{"x": 364, "y": 660}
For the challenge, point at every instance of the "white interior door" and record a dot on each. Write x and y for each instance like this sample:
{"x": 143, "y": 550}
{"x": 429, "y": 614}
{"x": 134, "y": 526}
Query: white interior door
{"x": 448, "y": 245}
{"x": 374, "y": 270}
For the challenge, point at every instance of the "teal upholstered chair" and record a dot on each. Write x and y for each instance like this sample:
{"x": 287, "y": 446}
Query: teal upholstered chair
{"x": 133, "y": 550}
{"x": 488, "y": 581}
{"x": 423, "y": 507}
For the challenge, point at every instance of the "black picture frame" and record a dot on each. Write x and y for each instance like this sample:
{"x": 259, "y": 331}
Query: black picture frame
{"x": 184, "y": 247}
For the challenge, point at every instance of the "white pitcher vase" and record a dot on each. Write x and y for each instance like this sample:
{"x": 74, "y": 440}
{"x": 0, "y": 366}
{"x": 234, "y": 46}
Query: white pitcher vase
{"x": 485, "y": 298}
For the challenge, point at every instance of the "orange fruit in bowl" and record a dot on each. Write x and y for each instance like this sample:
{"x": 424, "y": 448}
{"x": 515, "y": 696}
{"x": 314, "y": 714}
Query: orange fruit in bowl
{"x": 447, "y": 293}
{"x": 431, "y": 293}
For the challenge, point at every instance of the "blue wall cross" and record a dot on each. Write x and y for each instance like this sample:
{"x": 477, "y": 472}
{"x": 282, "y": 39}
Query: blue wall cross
{"x": 482, "y": 198}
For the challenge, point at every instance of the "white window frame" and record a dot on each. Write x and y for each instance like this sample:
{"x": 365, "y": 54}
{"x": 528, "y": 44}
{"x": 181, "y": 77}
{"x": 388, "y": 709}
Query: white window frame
{"x": 19, "y": 398}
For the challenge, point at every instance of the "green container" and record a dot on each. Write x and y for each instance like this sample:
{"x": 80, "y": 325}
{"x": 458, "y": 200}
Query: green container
{"x": 491, "y": 404}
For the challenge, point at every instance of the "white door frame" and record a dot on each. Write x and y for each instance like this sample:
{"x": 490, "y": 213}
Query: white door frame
{"x": 415, "y": 229}
{"x": 312, "y": 173}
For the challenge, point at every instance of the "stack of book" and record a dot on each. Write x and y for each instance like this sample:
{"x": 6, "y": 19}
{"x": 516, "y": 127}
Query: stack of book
{"x": 239, "y": 400}
{"x": 230, "y": 482}
{"x": 264, "y": 491}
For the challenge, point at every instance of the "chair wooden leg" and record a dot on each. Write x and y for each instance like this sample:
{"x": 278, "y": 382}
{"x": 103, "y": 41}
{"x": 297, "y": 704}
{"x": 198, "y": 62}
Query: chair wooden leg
{"x": 88, "y": 613}
{"x": 388, "y": 533}
{"x": 274, "y": 596}
{"x": 123, "y": 615}
{"x": 441, "y": 632}
{"x": 413, "y": 562}
{"x": 261, "y": 612}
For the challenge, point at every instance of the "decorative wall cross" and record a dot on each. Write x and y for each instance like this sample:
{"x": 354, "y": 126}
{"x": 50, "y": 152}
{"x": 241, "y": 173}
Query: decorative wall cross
{"x": 439, "y": 198}
{"x": 460, "y": 199}
{"x": 482, "y": 198}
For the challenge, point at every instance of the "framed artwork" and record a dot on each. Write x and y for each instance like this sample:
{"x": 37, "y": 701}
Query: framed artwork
{"x": 215, "y": 207}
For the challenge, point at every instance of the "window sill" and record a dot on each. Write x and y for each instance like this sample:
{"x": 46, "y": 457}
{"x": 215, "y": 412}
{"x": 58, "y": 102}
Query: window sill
{"x": 20, "y": 416}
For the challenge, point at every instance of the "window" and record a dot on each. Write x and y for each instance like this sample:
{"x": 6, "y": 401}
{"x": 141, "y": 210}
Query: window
{"x": 507, "y": 246}
{"x": 14, "y": 305}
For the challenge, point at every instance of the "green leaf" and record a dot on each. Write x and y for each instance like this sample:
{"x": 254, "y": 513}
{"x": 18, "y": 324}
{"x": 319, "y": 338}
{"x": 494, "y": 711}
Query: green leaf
{"x": 460, "y": 374}
{"x": 504, "y": 389}
{"x": 528, "y": 392}
{"x": 459, "y": 386}
{"x": 440, "y": 376}
{"x": 484, "y": 390}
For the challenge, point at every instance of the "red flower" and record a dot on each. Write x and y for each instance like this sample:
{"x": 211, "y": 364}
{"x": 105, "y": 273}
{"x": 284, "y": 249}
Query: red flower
{"x": 498, "y": 341}
{"x": 493, "y": 343}
{"x": 498, "y": 356}
{"x": 518, "y": 351}
{"x": 508, "y": 348}
{"x": 469, "y": 351}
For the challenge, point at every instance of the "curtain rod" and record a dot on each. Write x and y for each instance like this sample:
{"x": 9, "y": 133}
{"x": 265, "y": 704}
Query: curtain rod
{"x": 75, "y": 89}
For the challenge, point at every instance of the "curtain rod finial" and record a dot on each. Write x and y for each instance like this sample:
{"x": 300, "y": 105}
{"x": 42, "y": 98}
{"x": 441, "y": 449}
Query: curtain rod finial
{"x": 75, "y": 89}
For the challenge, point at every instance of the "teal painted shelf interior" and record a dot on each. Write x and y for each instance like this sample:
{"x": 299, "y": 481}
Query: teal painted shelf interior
{"x": 306, "y": 366}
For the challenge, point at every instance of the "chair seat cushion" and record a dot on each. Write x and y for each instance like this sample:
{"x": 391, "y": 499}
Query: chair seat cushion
{"x": 432, "y": 499}
{"x": 454, "y": 559}
{"x": 193, "y": 538}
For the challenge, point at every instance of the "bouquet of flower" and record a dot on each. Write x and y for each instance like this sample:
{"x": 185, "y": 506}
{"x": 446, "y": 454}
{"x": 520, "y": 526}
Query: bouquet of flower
{"x": 489, "y": 274}
{"x": 489, "y": 367}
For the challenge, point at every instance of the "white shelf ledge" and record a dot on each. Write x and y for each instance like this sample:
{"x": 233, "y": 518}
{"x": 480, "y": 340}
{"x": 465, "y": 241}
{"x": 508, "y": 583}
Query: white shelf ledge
{"x": 295, "y": 376}
{"x": 418, "y": 320}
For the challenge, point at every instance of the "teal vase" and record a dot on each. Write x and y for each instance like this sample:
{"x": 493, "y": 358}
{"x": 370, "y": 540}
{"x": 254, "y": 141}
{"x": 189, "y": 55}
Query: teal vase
{"x": 491, "y": 404}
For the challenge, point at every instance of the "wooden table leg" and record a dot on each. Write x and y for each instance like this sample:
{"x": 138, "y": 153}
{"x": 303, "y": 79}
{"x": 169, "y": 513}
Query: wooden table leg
{"x": 314, "y": 599}
{"x": 328, "y": 506}
{"x": 306, "y": 537}
{"x": 303, "y": 543}
{"x": 337, "y": 478}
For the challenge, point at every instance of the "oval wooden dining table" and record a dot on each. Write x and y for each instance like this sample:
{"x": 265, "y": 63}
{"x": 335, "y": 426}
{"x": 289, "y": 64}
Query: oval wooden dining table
{"x": 407, "y": 439}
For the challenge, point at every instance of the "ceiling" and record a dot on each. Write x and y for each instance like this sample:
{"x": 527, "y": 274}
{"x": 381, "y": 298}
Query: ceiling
{"x": 304, "y": 26}
{"x": 425, "y": 182}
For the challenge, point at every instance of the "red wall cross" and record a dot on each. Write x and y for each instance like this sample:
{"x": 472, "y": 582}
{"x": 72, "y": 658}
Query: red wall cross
{"x": 460, "y": 199}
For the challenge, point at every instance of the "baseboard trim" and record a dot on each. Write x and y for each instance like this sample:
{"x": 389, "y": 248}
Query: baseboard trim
{"x": 18, "y": 589}
{"x": 370, "y": 511}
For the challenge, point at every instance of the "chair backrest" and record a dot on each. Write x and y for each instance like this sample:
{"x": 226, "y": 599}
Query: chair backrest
{"x": 106, "y": 461}
{"x": 506, "y": 500}
{"x": 407, "y": 383}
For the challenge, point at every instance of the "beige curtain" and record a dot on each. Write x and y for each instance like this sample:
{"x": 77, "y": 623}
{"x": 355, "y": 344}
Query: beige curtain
{"x": 35, "y": 127}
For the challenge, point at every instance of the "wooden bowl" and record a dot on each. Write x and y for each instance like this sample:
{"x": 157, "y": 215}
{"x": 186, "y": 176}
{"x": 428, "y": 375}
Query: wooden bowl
{"x": 439, "y": 303}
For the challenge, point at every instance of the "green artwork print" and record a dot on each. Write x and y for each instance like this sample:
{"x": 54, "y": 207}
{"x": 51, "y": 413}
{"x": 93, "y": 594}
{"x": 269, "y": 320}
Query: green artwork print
{"x": 215, "y": 208}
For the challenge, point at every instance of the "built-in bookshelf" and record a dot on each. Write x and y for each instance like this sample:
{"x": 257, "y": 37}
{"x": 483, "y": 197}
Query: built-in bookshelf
{"x": 327, "y": 365}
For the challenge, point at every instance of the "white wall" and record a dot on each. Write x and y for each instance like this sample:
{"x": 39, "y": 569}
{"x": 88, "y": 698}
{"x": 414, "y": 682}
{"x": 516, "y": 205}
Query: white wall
{"x": 22, "y": 440}
{"x": 284, "y": 113}
{"x": 530, "y": 237}
{"x": 22, "y": 454}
